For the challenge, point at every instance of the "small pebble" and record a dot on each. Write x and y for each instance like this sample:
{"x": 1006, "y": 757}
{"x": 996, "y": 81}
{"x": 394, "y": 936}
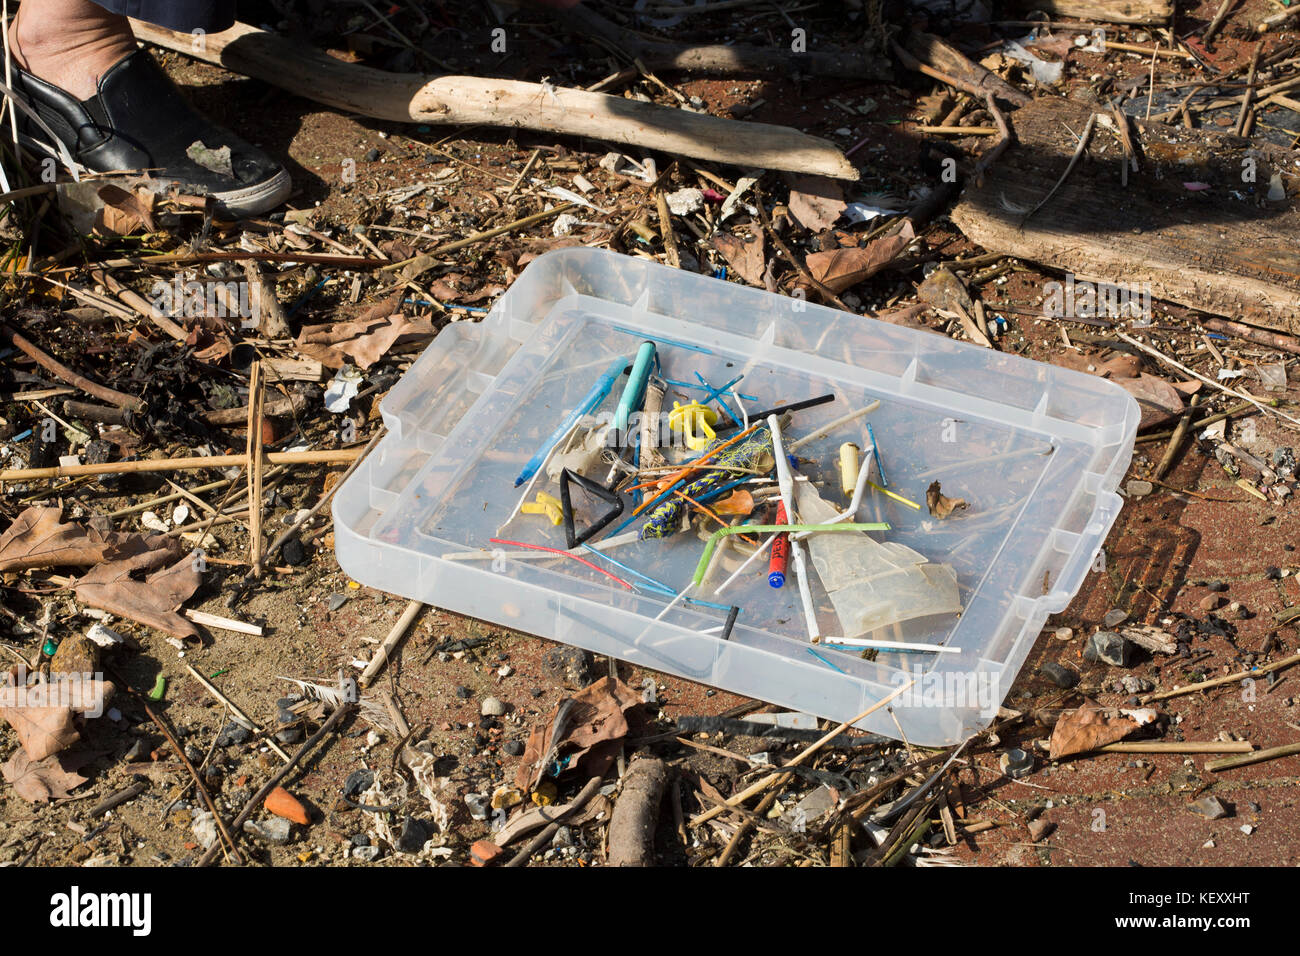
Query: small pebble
{"x": 492, "y": 707}
{"x": 1065, "y": 633}
{"x": 1137, "y": 488}
{"x": 1114, "y": 618}
{"x": 1062, "y": 677}
{"x": 1217, "y": 586}
{"x": 464, "y": 693}
{"x": 292, "y": 552}
{"x": 514, "y": 748}
{"x": 337, "y": 601}
{"x": 1211, "y": 602}
{"x": 275, "y": 830}
{"x": 1209, "y": 807}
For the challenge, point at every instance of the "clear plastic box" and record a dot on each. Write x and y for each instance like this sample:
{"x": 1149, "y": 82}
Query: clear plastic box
{"x": 1036, "y": 450}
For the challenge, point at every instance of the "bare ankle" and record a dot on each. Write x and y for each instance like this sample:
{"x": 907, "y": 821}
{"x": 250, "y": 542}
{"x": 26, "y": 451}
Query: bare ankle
{"x": 71, "y": 55}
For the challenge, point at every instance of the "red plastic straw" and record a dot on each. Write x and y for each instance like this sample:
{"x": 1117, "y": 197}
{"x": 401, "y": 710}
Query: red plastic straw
{"x": 538, "y": 547}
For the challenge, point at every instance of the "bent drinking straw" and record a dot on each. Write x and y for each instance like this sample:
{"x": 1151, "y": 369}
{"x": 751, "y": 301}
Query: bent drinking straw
{"x": 831, "y": 426}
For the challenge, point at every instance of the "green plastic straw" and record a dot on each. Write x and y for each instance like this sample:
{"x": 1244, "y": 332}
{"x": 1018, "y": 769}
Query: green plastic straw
{"x": 763, "y": 528}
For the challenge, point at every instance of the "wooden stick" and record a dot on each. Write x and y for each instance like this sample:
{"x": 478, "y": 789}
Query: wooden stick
{"x": 140, "y": 304}
{"x": 1147, "y": 51}
{"x": 256, "y": 456}
{"x": 234, "y": 709}
{"x": 1277, "y": 340}
{"x": 533, "y": 845}
{"x": 666, "y": 230}
{"x": 1220, "y": 681}
{"x": 194, "y": 774}
{"x": 1177, "y": 747}
{"x": 394, "y": 638}
{"x": 959, "y": 130}
{"x": 267, "y": 311}
{"x": 224, "y": 623}
{"x": 990, "y": 155}
{"x": 469, "y": 100}
{"x": 334, "y": 457}
{"x": 932, "y": 56}
{"x": 1219, "y": 17}
{"x": 63, "y": 373}
{"x": 1244, "y": 115}
{"x": 781, "y": 778}
{"x": 1176, "y": 442}
{"x": 1272, "y": 753}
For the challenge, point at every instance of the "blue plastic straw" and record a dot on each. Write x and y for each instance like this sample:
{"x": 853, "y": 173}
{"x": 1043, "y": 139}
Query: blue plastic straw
{"x": 590, "y": 401}
{"x": 651, "y": 582}
{"x": 717, "y": 393}
{"x": 701, "y": 388}
{"x": 662, "y": 341}
{"x": 824, "y": 660}
{"x": 879, "y": 464}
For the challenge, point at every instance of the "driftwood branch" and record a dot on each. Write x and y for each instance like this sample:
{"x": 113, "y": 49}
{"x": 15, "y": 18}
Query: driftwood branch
{"x": 472, "y": 100}
{"x": 636, "y": 813}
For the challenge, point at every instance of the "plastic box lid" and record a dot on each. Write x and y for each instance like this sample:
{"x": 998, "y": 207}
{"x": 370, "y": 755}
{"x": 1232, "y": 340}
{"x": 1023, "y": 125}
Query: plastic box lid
{"x": 1036, "y": 450}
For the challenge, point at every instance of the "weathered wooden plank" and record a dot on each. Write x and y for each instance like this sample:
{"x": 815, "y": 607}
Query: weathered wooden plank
{"x": 1224, "y": 249}
{"x": 1105, "y": 11}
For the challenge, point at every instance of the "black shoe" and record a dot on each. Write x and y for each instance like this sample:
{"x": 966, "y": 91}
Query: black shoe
{"x": 139, "y": 120}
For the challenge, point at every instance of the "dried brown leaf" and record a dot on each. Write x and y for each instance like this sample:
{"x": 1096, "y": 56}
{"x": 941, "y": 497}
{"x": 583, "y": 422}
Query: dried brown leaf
{"x": 1088, "y": 728}
{"x": 39, "y": 538}
{"x": 124, "y": 212}
{"x": 593, "y": 733}
{"x": 940, "y": 505}
{"x": 816, "y": 202}
{"x": 114, "y": 586}
{"x": 39, "y": 781}
{"x": 363, "y": 340}
{"x": 745, "y": 258}
{"x": 1158, "y": 400}
{"x": 838, "y": 269}
{"x": 42, "y": 713}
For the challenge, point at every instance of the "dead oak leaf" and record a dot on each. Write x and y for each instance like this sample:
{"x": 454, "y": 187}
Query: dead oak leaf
{"x": 816, "y": 201}
{"x": 838, "y": 269}
{"x": 1092, "y": 726}
{"x": 42, "y": 713}
{"x": 745, "y": 258}
{"x": 592, "y": 734}
{"x": 363, "y": 340}
{"x": 114, "y": 586}
{"x": 940, "y": 505}
{"x": 39, "y": 538}
{"x": 39, "y": 781}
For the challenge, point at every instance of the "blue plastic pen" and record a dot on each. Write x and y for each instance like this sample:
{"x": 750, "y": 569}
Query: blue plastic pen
{"x": 590, "y": 402}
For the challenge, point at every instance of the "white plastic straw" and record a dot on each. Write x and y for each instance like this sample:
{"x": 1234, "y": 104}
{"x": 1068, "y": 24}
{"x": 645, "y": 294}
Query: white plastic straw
{"x": 831, "y": 426}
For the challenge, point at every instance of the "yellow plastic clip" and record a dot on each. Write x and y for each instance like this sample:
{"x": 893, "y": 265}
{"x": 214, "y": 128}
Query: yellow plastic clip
{"x": 694, "y": 421}
{"x": 546, "y": 505}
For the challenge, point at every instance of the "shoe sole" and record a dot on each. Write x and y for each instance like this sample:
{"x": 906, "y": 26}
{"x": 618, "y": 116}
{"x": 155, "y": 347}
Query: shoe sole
{"x": 239, "y": 203}
{"x": 258, "y": 198}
